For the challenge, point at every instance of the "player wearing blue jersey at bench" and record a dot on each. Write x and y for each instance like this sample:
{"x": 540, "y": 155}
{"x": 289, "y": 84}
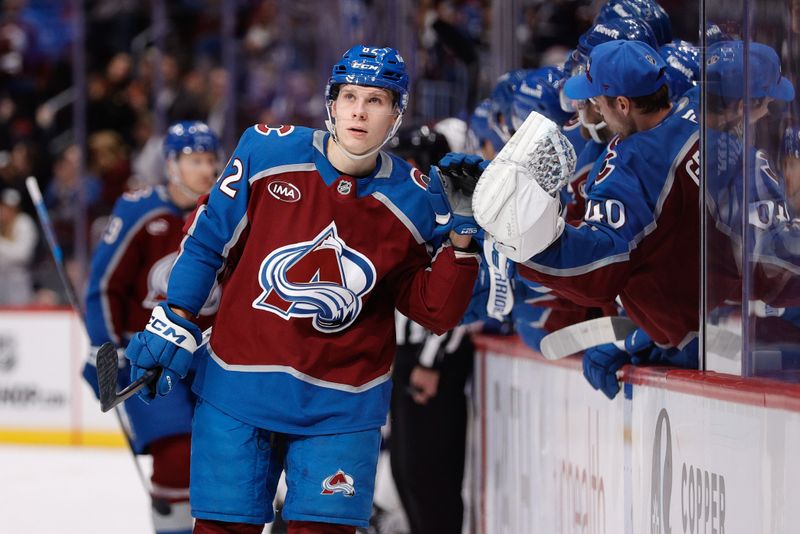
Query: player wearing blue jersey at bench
{"x": 639, "y": 239}
{"x": 316, "y": 237}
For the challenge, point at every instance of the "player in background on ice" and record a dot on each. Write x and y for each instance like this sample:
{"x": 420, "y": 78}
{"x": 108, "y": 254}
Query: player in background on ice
{"x": 129, "y": 272}
{"x": 640, "y": 237}
{"x": 429, "y": 402}
{"x": 318, "y": 237}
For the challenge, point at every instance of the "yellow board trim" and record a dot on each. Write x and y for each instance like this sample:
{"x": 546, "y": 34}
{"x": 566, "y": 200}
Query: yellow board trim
{"x": 61, "y": 437}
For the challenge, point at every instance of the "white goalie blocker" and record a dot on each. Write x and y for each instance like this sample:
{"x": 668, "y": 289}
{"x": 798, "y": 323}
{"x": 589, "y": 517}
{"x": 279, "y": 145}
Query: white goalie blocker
{"x": 516, "y": 199}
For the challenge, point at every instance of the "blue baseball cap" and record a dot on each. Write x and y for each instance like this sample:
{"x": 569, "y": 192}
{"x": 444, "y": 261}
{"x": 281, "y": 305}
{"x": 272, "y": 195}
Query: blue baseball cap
{"x": 619, "y": 68}
{"x": 725, "y": 72}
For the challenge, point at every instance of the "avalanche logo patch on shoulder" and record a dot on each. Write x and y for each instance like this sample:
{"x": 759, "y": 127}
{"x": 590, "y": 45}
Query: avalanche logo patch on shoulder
{"x": 341, "y": 482}
{"x": 419, "y": 179}
{"x": 322, "y": 279}
{"x": 284, "y": 191}
{"x": 280, "y": 129}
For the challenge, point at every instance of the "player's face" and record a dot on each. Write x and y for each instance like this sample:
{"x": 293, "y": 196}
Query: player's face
{"x": 616, "y": 113}
{"x": 363, "y": 117}
{"x": 760, "y": 110}
{"x": 197, "y": 171}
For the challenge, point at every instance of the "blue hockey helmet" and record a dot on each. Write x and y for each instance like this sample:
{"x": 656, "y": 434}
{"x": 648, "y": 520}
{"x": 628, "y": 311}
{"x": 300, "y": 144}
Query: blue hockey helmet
{"x": 648, "y": 11}
{"x": 479, "y": 125}
{"x": 619, "y": 29}
{"x": 715, "y": 34}
{"x": 538, "y": 92}
{"x": 570, "y": 61}
{"x": 373, "y": 67}
{"x": 683, "y": 66}
{"x": 502, "y": 98}
{"x": 185, "y": 137}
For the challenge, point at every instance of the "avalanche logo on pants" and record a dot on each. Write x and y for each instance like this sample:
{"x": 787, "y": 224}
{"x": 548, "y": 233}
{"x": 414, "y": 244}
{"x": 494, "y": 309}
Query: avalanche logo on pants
{"x": 323, "y": 279}
{"x": 341, "y": 482}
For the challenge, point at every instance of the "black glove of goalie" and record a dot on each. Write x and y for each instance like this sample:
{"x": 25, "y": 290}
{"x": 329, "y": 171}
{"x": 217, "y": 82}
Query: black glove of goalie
{"x": 451, "y": 185}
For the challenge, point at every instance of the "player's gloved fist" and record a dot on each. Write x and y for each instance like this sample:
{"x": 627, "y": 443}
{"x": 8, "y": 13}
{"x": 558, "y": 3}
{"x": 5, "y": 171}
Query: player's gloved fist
{"x": 600, "y": 366}
{"x": 450, "y": 190}
{"x": 168, "y": 341}
{"x": 640, "y": 346}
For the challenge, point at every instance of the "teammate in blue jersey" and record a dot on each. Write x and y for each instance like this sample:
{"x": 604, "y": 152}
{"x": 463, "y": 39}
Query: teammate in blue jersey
{"x": 593, "y": 127}
{"x": 316, "y": 237}
{"x": 129, "y": 273}
{"x": 769, "y": 226}
{"x": 640, "y": 234}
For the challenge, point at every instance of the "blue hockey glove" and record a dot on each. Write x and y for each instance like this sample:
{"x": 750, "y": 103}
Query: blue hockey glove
{"x": 639, "y": 345}
{"x": 168, "y": 341}
{"x": 450, "y": 192}
{"x": 600, "y": 366}
{"x": 90, "y": 371}
{"x": 601, "y": 363}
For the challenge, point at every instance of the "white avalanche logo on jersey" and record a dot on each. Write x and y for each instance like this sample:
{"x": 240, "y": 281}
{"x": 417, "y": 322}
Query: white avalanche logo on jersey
{"x": 322, "y": 279}
{"x": 341, "y": 482}
{"x": 158, "y": 280}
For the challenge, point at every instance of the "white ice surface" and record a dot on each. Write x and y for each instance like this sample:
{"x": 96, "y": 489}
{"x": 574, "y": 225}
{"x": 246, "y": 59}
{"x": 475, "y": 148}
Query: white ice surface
{"x": 70, "y": 490}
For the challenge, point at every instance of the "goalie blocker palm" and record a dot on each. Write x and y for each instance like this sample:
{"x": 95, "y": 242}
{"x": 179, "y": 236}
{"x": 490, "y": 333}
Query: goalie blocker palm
{"x": 516, "y": 199}
{"x": 168, "y": 341}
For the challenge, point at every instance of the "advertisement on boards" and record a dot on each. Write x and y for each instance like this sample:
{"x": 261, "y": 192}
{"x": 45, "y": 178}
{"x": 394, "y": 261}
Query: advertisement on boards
{"x": 712, "y": 466}
{"x": 553, "y": 451}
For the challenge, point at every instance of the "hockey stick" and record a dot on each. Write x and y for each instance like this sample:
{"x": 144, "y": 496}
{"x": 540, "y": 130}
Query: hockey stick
{"x": 581, "y": 336}
{"x": 58, "y": 257}
{"x": 107, "y": 366}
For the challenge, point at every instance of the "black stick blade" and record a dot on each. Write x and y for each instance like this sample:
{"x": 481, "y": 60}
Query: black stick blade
{"x": 107, "y": 367}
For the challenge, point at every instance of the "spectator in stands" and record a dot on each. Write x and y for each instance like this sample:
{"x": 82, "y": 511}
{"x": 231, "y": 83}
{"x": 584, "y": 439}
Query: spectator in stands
{"x": 18, "y": 237}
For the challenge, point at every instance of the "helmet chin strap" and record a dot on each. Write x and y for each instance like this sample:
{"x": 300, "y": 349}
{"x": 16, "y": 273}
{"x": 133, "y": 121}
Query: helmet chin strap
{"x": 591, "y": 127}
{"x": 331, "y": 125}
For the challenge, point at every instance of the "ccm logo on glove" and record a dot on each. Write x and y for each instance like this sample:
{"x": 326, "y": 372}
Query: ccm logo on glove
{"x": 161, "y": 326}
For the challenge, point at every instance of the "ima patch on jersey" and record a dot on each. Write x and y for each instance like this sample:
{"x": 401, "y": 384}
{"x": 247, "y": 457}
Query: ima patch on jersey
{"x": 322, "y": 279}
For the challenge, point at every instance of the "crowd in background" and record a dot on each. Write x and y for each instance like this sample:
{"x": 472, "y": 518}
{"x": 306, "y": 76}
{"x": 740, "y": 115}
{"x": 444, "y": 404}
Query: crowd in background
{"x": 134, "y": 88}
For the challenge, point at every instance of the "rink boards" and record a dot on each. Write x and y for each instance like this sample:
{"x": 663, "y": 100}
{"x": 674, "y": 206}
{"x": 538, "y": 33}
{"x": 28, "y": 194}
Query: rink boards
{"x": 685, "y": 452}
{"x": 43, "y": 398}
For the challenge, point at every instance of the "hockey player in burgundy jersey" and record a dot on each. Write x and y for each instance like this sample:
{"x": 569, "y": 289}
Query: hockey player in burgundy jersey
{"x": 318, "y": 237}
{"x": 129, "y": 273}
{"x": 640, "y": 235}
